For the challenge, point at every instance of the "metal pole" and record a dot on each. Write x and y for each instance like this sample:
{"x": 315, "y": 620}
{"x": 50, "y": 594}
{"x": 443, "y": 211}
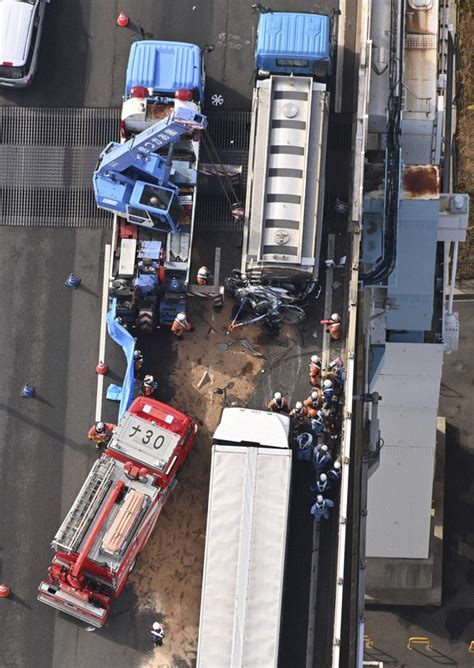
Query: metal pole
{"x": 454, "y": 265}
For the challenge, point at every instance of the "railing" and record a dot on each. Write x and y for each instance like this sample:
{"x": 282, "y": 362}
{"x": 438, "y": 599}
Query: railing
{"x": 364, "y": 47}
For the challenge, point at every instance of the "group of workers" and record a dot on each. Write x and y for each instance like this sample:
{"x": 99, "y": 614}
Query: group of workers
{"x": 314, "y": 420}
{"x": 181, "y": 324}
{"x": 101, "y": 432}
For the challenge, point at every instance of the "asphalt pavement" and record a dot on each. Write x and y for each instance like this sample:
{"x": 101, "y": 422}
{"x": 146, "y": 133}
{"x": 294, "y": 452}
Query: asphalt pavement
{"x": 50, "y": 334}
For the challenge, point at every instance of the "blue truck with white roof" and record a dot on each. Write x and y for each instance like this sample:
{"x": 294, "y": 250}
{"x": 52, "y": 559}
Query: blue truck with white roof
{"x": 285, "y": 184}
{"x": 155, "y": 71}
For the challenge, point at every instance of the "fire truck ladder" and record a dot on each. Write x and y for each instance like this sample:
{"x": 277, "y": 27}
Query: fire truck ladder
{"x": 85, "y": 507}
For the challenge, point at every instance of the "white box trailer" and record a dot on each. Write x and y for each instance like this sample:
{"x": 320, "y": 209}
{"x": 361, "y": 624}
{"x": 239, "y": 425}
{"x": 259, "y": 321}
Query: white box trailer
{"x": 246, "y": 536}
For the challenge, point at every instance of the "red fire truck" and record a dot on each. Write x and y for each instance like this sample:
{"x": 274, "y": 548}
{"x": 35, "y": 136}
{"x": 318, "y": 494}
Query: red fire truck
{"x": 115, "y": 512}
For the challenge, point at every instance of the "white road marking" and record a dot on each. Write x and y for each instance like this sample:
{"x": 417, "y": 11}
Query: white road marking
{"x": 103, "y": 330}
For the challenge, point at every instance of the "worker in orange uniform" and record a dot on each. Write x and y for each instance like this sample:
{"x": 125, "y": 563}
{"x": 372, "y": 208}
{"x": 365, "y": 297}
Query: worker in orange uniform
{"x": 313, "y": 403}
{"x": 314, "y": 369}
{"x": 101, "y": 433}
{"x": 334, "y": 326}
{"x": 278, "y": 404}
{"x": 203, "y": 275}
{"x": 181, "y": 325}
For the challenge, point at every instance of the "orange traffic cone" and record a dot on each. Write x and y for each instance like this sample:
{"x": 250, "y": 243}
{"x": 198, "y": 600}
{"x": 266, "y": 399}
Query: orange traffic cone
{"x": 122, "y": 20}
{"x": 4, "y": 590}
{"x": 102, "y": 368}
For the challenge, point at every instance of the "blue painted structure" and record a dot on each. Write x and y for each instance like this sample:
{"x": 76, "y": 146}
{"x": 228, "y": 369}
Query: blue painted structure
{"x": 410, "y": 287}
{"x": 294, "y": 43}
{"x": 165, "y": 67}
{"x": 132, "y": 180}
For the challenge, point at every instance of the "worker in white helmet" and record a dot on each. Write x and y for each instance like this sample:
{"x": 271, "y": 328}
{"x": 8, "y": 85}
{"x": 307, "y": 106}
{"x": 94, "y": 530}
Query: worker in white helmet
{"x": 322, "y": 485}
{"x": 157, "y": 633}
{"x": 320, "y": 508}
{"x": 279, "y": 403}
{"x": 321, "y": 458}
{"x": 314, "y": 402}
{"x": 334, "y": 327}
{"x": 314, "y": 369}
{"x": 203, "y": 276}
{"x": 101, "y": 432}
{"x": 181, "y": 325}
{"x": 298, "y": 413}
{"x": 149, "y": 386}
{"x": 334, "y": 474}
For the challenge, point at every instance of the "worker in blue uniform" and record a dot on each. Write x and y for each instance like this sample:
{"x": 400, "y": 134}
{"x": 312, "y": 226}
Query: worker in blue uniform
{"x": 334, "y": 474}
{"x": 318, "y": 423}
{"x": 304, "y": 446}
{"x": 321, "y": 458}
{"x": 320, "y": 508}
{"x": 322, "y": 485}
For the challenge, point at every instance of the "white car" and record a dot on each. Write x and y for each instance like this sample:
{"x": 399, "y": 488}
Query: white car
{"x": 21, "y": 24}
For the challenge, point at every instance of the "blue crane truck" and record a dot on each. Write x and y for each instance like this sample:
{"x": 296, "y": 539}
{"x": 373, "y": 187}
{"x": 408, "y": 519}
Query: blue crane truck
{"x": 149, "y": 183}
{"x": 285, "y": 184}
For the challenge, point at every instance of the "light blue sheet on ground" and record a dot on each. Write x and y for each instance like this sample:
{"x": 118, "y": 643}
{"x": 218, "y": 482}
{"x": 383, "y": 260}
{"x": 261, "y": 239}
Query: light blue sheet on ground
{"x": 127, "y": 342}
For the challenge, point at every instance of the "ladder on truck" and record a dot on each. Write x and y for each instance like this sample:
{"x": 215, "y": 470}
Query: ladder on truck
{"x": 283, "y": 204}
{"x": 84, "y": 509}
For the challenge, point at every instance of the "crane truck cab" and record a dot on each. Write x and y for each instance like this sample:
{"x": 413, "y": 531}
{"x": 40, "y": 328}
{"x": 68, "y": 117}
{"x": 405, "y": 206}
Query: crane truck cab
{"x": 157, "y": 73}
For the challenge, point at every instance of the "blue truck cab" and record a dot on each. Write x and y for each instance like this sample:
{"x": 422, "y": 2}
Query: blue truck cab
{"x": 155, "y": 72}
{"x": 294, "y": 43}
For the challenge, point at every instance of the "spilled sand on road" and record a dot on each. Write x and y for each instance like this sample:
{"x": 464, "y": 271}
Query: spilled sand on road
{"x": 167, "y": 578}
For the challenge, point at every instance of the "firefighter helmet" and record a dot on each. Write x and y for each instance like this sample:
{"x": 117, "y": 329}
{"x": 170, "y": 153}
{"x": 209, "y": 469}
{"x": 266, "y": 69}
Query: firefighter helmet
{"x": 100, "y": 427}
{"x": 277, "y": 396}
{"x": 181, "y": 317}
{"x": 298, "y": 405}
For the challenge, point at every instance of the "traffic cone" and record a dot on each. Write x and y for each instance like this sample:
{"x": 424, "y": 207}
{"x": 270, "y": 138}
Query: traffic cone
{"x": 102, "y": 368}
{"x": 72, "y": 281}
{"x": 4, "y": 590}
{"x": 27, "y": 392}
{"x": 122, "y": 20}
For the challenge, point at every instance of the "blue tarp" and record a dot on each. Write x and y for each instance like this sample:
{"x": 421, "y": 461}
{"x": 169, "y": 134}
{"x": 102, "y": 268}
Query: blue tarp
{"x": 127, "y": 342}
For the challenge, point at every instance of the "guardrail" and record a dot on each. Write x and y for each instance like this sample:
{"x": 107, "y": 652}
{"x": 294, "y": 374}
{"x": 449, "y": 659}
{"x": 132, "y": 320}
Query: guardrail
{"x": 364, "y": 47}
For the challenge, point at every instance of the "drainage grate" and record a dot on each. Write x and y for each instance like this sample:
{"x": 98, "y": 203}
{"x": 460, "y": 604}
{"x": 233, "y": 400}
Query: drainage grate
{"x": 229, "y": 132}
{"x": 58, "y": 127}
{"x": 339, "y": 134}
{"x": 213, "y": 213}
{"x": 47, "y": 157}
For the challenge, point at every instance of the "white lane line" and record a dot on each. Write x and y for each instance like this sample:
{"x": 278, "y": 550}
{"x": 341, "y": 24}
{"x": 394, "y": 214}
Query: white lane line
{"x": 103, "y": 329}
{"x": 313, "y": 597}
{"x": 313, "y": 585}
{"x": 328, "y": 297}
{"x": 341, "y": 35}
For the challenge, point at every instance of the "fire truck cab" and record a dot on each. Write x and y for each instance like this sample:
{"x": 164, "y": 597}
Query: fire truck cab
{"x": 115, "y": 512}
